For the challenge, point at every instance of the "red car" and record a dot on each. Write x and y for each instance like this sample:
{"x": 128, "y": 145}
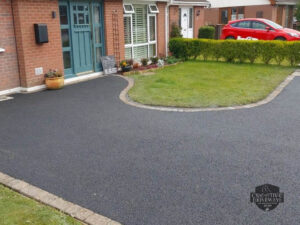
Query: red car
{"x": 258, "y": 29}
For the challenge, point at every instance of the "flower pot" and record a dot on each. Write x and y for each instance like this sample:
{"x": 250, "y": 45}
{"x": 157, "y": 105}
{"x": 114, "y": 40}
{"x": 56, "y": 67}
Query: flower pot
{"x": 126, "y": 68}
{"x": 54, "y": 82}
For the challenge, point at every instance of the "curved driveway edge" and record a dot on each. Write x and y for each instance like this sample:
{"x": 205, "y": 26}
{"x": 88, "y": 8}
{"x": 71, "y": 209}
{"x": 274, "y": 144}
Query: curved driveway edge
{"x": 126, "y": 99}
{"x": 82, "y": 214}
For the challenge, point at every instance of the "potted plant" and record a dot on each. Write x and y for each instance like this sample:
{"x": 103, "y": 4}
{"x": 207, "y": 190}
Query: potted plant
{"x": 125, "y": 66}
{"x": 54, "y": 79}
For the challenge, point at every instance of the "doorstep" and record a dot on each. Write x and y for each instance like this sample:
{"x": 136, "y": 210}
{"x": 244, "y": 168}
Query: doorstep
{"x": 68, "y": 81}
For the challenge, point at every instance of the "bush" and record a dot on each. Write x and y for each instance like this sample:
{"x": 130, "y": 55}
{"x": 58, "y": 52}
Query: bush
{"x": 175, "y": 31}
{"x": 179, "y": 48}
{"x": 171, "y": 60}
{"x": 236, "y": 50}
{"x": 154, "y": 60}
{"x": 206, "y": 32}
{"x": 144, "y": 62}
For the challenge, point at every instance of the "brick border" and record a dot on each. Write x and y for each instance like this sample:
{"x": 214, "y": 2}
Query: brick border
{"x": 84, "y": 215}
{"x": 126, "y": 99}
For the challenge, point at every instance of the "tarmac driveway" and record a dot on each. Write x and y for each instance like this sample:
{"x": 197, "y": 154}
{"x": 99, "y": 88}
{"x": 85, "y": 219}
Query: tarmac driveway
{"x": 143, "y": 167}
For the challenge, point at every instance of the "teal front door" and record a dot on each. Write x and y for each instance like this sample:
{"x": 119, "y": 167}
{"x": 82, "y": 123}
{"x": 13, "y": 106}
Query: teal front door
{"x": 82, "y": 37}
{"x": 82, "y": 34}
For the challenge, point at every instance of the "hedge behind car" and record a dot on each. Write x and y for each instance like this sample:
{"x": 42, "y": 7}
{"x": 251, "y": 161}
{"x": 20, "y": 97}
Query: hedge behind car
{"x": 235, "y": 50}
{"x": 206, "y": 32}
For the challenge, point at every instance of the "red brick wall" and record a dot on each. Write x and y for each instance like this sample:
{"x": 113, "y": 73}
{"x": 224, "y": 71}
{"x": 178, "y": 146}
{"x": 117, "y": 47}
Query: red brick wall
{"x": 161, "y": 31}
{"x": 110, "y": 7}
{"x": 173, "y": 16}
{"x": 250, "y": 11}
{"x": 198, "y": 19}
{"x": 30, "y": 54}
{"x": 211, "y": 16}
{"x": 9, "y": 73}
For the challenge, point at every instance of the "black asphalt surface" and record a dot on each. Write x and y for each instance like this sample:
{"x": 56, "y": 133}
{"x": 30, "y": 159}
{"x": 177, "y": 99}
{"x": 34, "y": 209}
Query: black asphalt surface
{"x": 143, "y": 167}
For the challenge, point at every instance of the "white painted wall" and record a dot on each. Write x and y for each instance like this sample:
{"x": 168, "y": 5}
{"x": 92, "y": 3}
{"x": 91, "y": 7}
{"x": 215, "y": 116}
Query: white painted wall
{"x": 230, "y": 3}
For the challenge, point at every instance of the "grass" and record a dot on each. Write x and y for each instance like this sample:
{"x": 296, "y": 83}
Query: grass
{"x": 208, "y": 84}
{"x": 16, "y": 209}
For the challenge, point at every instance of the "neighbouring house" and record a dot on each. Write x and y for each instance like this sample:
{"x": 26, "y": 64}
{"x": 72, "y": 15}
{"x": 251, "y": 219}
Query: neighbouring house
{"x": 188, "y": 15}
{"x": 222, "y": 11}
{"x": 80, "y": 32}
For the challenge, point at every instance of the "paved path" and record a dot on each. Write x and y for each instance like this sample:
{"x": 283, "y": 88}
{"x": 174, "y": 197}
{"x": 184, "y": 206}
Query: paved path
{"x": 144, "y": 167}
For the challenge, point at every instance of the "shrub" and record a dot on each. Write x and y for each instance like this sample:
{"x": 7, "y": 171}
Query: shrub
{"x": 175, "y": 31}
{"x": 154, "y": 60}
{"x": 206, "y": 32}
{"x": 171, "y": 60}
{"x": 232, "y": 50}
{"x": 178, "y": 47}
{"x": 267, "y": 51}
{"x": 135, "y": 65}
{"x": 144, "y": 62}
{"x": 129, "y": 62}
{"x": 292, "y": 52}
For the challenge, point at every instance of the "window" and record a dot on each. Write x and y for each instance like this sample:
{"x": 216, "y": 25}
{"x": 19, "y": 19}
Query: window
{"x": 241, "y": 13}
{"x": 128, "y": 8}
{"x": 140, "y": 33}
{"x": 191, "y": 18}
{"x": 224, "y": 16}
{"x": 258, "y": 25}
{"x": 153, "y": 8}
{"x": 244, "y": 24}
{"x": 233, "y": 13}
{"x": 259, "y": 14}
{"x": 179, "y": 12}
{"x": 234, "y": 24}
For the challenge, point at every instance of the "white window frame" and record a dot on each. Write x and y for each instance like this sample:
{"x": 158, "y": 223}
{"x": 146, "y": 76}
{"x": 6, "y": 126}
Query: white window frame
{"x": 152, "y": 11}
{"x": 128, "y": 11}
{"x": 148, "y": 30}
{"x": 149, "y": 42}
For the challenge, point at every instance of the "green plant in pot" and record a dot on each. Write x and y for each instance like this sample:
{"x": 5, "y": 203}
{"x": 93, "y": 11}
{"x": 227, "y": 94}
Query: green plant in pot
{"x": 54, "y": 79}
{"x": 144, "y": 61}
{"x": 125, "y": 66}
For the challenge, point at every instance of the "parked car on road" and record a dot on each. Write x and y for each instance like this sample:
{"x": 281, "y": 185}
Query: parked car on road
{"x": 258, "y": 29}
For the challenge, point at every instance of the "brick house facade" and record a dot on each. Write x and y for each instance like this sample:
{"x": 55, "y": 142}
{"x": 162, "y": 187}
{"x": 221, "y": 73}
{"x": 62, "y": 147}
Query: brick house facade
{"x": 9, "y": 71}
{"x": 78, "y": 33}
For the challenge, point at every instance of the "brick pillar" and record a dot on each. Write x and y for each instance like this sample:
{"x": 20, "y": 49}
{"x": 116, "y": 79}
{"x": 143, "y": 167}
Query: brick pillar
{"x": 111, "y": 7}
{"x": 173, "y": 16}
{"x": 161, "y": 40}
{"x": 198, "y": 19}
{"x": 9, "y": 73}
{"x": 32, "y": 55}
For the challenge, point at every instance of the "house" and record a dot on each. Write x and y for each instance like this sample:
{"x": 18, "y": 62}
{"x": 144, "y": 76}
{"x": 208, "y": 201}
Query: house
{"x": 80, "y": 32}
{"x": 188, "y": 15}
{"x": 222, "y": 11}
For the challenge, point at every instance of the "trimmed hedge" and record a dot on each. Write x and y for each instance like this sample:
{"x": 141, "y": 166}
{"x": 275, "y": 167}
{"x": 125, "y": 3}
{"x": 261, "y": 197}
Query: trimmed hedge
{"x": 235, "y": 50}
{"x": 206, "y": 32}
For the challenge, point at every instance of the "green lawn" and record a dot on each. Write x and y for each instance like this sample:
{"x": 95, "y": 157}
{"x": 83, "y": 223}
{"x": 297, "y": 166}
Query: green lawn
{"x": 208, "y": 84}
{"x": 16, "y": 209}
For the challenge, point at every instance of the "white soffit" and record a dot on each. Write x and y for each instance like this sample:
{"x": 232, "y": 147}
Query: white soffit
{"x": 231, "y": 3}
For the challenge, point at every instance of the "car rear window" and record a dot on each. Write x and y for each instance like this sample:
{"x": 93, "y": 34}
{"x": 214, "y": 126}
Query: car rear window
{"x": 244, "y": 24}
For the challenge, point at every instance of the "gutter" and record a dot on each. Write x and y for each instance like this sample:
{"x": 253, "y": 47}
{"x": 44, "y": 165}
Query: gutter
{"x": 167, "y": 26}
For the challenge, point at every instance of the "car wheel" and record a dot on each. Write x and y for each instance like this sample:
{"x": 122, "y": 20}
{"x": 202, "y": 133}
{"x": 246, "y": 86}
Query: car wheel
{"x": 230, "y": 38}
{"x": 280, "y": 39}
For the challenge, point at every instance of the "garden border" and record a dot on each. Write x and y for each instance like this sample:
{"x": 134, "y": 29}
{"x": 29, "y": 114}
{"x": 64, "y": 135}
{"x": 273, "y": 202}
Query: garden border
{"x": 126, "y": 99}
{"x": 84, "y": 215}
